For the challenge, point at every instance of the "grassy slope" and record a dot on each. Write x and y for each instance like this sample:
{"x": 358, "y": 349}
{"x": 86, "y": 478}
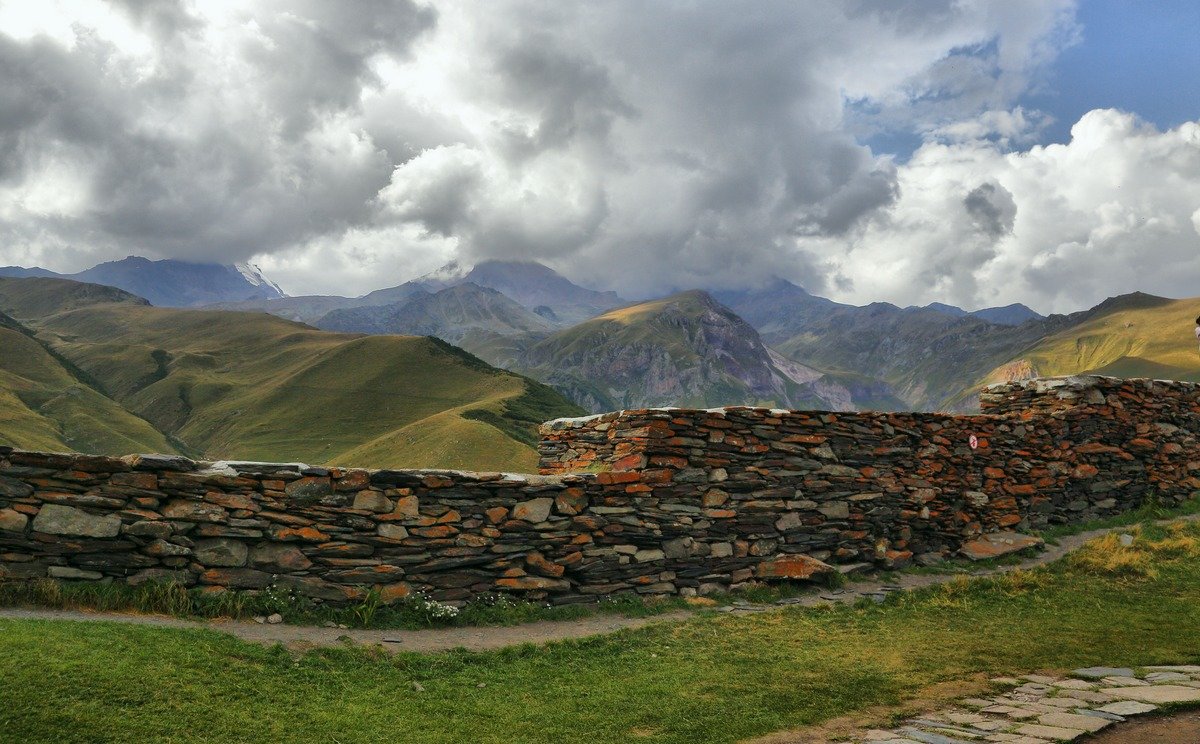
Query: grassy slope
{"x": 712, "y": 679}
{"x": 44, "y": 406}
{"x": 1147, "y": 341}
{"x": 1130, "y": 336}
{"x": 253, "y": 386}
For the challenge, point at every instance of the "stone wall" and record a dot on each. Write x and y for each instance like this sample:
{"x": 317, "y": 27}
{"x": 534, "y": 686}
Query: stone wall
{"x": 672, "y": 501}
{"x": 885, "y": 487}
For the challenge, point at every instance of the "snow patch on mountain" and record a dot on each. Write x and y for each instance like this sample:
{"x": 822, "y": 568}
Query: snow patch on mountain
{"x": 251, "y": 273}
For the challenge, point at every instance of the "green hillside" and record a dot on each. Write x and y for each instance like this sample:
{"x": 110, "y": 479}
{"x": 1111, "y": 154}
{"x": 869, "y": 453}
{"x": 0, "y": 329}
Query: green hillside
{"x": 254, "y": 386}
{"x": 1134, "y": 335}
{"x": 44, "y": 404}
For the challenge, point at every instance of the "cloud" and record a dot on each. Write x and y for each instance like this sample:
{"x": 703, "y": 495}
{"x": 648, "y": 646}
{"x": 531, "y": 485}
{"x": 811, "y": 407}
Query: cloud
{"x": 207, "y": 138}
{"x": 1058, "y": 227}
{"x": 992, "y": 208}
{"x": 653, "y": 147}
{"x": 645, "y": 147}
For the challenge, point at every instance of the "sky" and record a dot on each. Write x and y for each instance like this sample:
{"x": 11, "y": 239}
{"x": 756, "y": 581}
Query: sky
{"x": 910, "y": 151}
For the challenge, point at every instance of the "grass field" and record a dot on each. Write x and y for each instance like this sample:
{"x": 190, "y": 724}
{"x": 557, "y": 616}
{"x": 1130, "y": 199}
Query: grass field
{"x": 712, "y": 679}
{"x": 230, "y": 385}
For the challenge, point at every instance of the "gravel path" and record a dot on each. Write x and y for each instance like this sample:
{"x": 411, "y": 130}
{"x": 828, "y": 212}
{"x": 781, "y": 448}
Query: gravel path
{"x": 492, "y": 637}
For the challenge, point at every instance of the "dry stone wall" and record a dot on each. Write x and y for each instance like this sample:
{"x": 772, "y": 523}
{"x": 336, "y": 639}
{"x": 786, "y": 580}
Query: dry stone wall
{"x": 888, "y": 487}
{"x": 657, "y": 501}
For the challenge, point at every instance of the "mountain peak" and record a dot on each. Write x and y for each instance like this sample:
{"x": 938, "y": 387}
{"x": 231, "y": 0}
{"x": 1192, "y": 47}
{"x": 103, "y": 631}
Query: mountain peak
{"x": 443, "y": 277}
{"x": 251, "y": 273}
{"x": 170, "y": 282}
{"x": 1130, "y": 301}
{"x": 529, "y": 283}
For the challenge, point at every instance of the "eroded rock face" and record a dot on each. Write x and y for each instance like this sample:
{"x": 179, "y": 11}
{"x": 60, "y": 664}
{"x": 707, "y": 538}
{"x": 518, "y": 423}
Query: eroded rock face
{"x": 676, "y": 501}
{"x": 687, "y": 347}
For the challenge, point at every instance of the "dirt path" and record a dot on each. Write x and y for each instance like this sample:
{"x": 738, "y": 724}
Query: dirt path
{"x": 1174, "y": 729}
{"x": 491, "y": 637}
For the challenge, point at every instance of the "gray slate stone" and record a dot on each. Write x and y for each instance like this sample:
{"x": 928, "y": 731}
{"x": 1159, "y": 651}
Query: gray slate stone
{"x": 70, "y": 572}
{"x": 1102, "y": 672}
{"x": 57, "y": 519}
{"x": 221, "y": 552}
{"x": 1128, "y": 708}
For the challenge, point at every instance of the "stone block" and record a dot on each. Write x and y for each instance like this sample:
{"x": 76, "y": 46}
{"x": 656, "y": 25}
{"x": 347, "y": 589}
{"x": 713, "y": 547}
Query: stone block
{"x": 372, "y": 501}
{"x": 534, "y": 510}
{"x": 996, "y": 544}
{"x": 533, "y": 583}
{"x": 191, "y": 510}
{"x": 12, "y": 520}
{"x": 392, "y": 531}
{"x": 796, "y": 567}
{"x": 70, "y": 572}
{"x": 236, "y": 578}
{"x": 57, "y": 519}
{"x": 221, "y": 552}
{"x": 835, "y": 509}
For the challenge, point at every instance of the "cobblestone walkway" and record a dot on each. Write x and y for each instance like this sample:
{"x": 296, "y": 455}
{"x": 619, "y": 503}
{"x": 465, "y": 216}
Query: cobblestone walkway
{"x": 1038, "y": 709}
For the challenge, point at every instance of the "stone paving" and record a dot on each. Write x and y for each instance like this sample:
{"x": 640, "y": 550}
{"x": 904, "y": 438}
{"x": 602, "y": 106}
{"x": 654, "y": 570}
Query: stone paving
{"x": 1039, "y": 709}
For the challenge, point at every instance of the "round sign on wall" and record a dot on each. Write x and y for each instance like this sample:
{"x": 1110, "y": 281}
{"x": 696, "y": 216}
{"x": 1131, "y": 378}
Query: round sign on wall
{"x": 974, "y": 442}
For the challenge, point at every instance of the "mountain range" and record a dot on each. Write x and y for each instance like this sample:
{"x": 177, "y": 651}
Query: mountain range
{"x": 1014, "y": 314}
{"x": 773, "y": 345}
{"x": 539, "y": 289}
{"x": 169, "y": 283}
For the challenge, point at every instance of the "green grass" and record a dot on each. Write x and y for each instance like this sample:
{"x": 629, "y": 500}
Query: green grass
{"x": 1134, "y": 336}
{"x": 715, "y": 678}
{"x": 522, "y": 415}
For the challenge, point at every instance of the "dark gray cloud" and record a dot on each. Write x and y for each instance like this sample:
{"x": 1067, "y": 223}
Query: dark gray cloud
{"x": 992, "y": 208}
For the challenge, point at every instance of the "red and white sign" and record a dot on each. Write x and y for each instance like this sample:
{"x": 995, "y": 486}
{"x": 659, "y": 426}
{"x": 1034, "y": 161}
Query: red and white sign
{"x": 974, "y": 442}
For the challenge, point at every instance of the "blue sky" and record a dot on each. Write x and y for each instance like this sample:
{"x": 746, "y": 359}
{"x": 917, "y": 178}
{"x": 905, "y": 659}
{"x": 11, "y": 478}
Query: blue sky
{"x": 1138, "y": 56}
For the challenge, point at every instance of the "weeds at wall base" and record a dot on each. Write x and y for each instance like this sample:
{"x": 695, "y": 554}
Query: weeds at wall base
{"x": 414, "y": 612}
{"x": 1151, "y": 510}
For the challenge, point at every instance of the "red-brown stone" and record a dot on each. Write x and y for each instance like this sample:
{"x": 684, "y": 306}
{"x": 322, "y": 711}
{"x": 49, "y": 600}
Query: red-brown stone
{"x": 792, "y": 567}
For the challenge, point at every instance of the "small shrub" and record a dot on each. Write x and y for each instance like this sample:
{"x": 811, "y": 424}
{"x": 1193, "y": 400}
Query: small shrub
{"x": 168, "y": 598}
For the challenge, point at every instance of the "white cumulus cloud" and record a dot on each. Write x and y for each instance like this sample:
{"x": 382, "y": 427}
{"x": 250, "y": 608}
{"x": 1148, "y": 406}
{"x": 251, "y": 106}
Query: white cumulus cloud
{"x": 1112, "y": 210}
